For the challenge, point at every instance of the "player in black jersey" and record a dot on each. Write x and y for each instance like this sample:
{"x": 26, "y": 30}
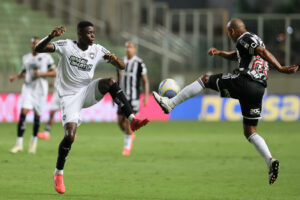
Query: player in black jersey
{"x": 247, "y": 84}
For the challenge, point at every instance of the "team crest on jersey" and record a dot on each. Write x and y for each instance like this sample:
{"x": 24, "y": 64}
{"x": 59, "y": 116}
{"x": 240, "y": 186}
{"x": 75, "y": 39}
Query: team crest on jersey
{"x": 80, "y": 63}
{"x": 92, "y": 55}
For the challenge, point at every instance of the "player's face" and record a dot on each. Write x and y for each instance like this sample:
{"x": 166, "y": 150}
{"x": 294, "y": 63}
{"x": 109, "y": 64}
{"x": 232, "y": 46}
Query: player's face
{"x": 33, "y": 43}
{"x": 231, "y": 34}
{"x": 130, "y": 49}
{"x": 87, "y": 35}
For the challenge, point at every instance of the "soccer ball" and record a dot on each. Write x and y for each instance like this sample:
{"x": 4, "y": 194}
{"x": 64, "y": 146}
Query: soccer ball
{"x": 168, "y": 88}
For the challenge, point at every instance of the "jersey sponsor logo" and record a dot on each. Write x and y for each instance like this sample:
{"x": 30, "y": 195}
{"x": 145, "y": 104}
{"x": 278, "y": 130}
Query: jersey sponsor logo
{"x": 255, "y": 111}
{"x": 61, "y": 43}
{"x": 80, "y": 63}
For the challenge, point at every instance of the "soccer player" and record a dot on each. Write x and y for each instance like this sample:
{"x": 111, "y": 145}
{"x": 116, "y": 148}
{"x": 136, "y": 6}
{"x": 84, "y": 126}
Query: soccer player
{"x": 35, "y": 68}
{"x": 129, "y": 81}
{"x": 54, "y": 107}
{"x": 247, "y": 84}
{"x": 75, "y": 87}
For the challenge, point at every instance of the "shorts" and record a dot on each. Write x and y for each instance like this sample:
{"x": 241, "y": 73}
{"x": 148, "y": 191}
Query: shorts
{"x": 249, "y": 93}
{"x": 134, "y": 104}
{"x": 33, "y": 100}
{"x": 55, "y": 101}
{"x": 71, "y": 105}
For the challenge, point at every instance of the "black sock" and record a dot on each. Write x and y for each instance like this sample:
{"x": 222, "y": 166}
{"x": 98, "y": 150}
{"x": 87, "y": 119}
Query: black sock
{"x": 119, "y": 98}
{"x": 63, "y": 151}
{"x": 21, "y": 125}
{"x": 36, "y": 126}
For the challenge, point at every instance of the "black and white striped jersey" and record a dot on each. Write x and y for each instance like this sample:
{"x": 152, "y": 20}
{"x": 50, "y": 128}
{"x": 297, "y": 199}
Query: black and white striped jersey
{"x": 129, "y": 79}
{"x": 250, "y": 63}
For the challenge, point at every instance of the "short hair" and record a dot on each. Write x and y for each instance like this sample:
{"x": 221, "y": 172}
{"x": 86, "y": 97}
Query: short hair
{"x": 81, "y": 25}
{"x": 34, "y": 38}
{"x": 130, "y": 42}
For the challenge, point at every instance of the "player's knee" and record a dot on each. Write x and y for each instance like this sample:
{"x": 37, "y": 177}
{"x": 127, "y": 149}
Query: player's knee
{"x": 204, "y": 78}
{"x": 105, "y": 84}
{"x": 110, "y": 82}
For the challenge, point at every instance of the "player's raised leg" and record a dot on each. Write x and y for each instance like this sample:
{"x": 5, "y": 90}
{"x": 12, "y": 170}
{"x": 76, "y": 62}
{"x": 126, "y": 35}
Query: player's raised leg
{"x": 34, "y": 138}
{"x": 250, "y": 132}
{"x": 63, "y": 151}
{"x": 20, "y": 131}
{"x": 110, "y": 86}
{"x": 186, "y": 93}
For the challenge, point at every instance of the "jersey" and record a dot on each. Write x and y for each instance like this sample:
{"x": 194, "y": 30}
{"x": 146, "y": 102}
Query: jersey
{"x": 76, "y": 67}
{"x": 41, "y": 62}
{"x": 250, "y": 63}
{"x": 129, "y": 79}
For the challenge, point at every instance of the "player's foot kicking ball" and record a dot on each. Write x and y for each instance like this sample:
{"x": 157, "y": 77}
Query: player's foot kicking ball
{"x": 138, "y": 123}
{"x": 126, "y": 152}
{"x": 164, "y": 102}
{"x": 17, "y": 148}
{"x": 273, "y": 171}
{"x": 59, "y": 183}
{"x": 43, "y": 135}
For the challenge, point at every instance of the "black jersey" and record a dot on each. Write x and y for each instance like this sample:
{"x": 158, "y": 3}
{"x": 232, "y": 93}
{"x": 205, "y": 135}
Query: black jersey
{"x": 250, "y": 63}
{"x": 129, "y": 79}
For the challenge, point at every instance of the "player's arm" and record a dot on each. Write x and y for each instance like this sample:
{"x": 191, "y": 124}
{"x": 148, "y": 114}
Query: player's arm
{"x": 114, "y": 60}
{"x": 44, "y": 45}
{"x": 146, "y": 88}
{"x": 50, "y": 73}
{"x": 229, "y": 55}
{"x": 18, "y": 76}
{"x": 268, "y": 56}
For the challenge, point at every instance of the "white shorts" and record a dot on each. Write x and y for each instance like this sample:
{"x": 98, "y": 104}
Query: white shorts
{"x": 71, "y": 105}
{"x": 55, "y": 101}
{"x": 33, "y": 100}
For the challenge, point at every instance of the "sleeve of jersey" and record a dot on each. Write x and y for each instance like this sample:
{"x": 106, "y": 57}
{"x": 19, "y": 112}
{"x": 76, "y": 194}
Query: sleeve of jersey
{"x": 50, "y": 62}
{"x": 144, "y": 69}
{"x": 23, "y": 64}
{"x": 102, "y": 52}
{"x": 60, "y": 46}
{"x": 250, "y": 43}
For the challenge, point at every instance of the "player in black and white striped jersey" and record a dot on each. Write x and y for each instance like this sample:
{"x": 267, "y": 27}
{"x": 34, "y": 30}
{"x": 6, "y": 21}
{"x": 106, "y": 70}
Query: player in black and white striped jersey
{"x": 129, "y": 81}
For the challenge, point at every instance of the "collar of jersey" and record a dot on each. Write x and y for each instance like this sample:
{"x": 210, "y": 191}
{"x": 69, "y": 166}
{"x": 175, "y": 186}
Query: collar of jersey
{"x": 75, "y": 43}
{"x": 242, "y": 35}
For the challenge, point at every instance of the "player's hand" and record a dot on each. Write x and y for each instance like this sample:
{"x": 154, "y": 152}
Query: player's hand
{"x": 213, "y": 51}
{"x": 58, "y": 31}
{"x": 110, "y": 57}
{"x": 13, "y": 78}
{"x": 289, "y": 69}
{"x": 36, "y": 73}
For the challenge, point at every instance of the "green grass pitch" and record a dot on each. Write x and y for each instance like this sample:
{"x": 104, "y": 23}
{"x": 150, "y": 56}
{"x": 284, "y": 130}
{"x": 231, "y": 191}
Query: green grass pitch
{"x": 169, "y": 161}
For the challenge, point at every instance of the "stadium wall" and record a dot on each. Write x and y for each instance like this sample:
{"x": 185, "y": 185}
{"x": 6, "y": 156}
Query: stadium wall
{"x": 202, "y": 107}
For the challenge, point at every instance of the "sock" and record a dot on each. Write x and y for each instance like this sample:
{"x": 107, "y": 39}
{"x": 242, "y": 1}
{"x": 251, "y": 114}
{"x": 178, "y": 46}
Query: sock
{"x": 188, "y": 92}
{"x": 21, "y": 125}
{"x": 34, "y": 139}
{"x": 36, "y": 126}
{"x": 57, "y": 171}
{"x": 261, "y": 146}
{"x": 20, "y": 141}
{"x": 127, "y": 141}
{"x": 47, "y": 128}
{"x": 63, "y": 151}
{"x": 119, "y": 98}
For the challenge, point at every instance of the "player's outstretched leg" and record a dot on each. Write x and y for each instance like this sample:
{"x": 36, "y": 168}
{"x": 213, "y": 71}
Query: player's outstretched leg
{"x": 34, "y": 139}
{"x": 63, "y": 151}
{"x": 261, "y": 146}
{"x": 109, "y": 85}
{"x": 20, "y": 132}
{"x": 45, "y": 135}
{"x": 186, "y": 93}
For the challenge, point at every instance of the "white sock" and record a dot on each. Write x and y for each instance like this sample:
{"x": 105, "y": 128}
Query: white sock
{"x": 34, "y": 139}
{"x": 130, "y": 118}
{"x": 20, "y": 141}
{"x": 127, "y": 141}
{"x": 261, "y": 146}
{"x": 57, "y": 171}
{"x": 187, "y": 92}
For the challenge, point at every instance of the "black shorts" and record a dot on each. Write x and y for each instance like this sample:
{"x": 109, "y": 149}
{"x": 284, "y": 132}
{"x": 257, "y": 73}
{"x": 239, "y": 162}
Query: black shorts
{"x": 249, "y": 93}
{"x": 134, "y": 104}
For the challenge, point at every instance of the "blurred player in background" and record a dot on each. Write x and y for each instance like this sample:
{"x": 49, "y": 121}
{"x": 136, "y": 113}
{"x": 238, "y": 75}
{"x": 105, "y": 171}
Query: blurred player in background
{"x": 129, "y": 80}
{"x": 35, "y": 68}
{"x": 247, "y": 84}
{"x": 54, "y": 107}
{"x": 75, "y": 87}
